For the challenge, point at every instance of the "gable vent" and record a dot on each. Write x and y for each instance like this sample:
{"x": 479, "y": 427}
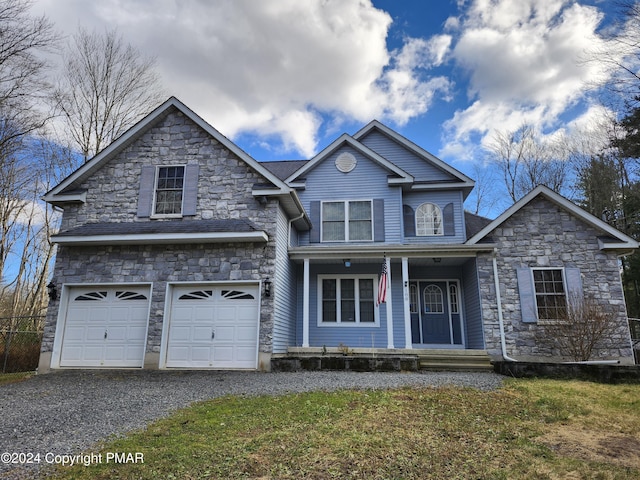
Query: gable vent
{"x": 346, "y": 162}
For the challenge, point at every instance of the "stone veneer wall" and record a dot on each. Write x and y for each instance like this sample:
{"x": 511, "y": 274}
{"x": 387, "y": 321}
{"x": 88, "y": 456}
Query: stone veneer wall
{"x": 224, "y": 192}
{"x": 543, "y": 235}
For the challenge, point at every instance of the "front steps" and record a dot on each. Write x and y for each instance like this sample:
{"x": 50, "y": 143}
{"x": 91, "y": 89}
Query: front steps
{"x": 381, "y": 360}
{"x": 454, "y": 360}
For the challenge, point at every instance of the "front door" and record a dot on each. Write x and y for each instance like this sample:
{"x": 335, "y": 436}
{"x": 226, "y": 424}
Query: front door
{"x": 434, "y": 309}
{"x": 435, "y": 313}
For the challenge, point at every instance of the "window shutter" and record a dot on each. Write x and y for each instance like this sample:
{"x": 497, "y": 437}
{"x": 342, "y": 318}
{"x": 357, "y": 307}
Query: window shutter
{"x": 190, "y": 191}
{"x": 314, "y": 233}
{"x": 378, "y": 220}
{"x": 448, "y": 220}
{"x": 527, "y": 295}
{"x": 145, "y": 194}
{"x": 573, "y": 279}
{"x": 409, "y": 220}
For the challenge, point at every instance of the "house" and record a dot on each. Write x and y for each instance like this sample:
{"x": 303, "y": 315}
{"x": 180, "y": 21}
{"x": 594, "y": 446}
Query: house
{"x": 178, "y": 250}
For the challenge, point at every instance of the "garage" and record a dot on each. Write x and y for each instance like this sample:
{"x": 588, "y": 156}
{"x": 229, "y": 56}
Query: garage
{"x": 213, "y": 326}
{"x": 105, "y": 326}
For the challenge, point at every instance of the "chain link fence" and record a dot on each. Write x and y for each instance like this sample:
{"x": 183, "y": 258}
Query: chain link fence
{"x": 20, "y": 339}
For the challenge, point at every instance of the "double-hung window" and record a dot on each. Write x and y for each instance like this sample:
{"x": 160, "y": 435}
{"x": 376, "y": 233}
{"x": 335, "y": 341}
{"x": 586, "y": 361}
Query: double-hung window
{"x": 169, "y": 190}
{"x": 346, "y": 300}
{"x": 551, "y": 297}
{"x": 347, "y": 221}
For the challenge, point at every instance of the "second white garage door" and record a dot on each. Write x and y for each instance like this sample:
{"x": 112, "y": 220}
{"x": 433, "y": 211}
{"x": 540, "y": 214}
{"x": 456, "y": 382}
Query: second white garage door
{"x": 213, "y": 326}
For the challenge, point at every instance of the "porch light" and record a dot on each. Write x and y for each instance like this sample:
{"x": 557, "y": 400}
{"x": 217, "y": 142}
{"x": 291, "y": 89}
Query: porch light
{"x": 267, "y": 287}
{"x": 52, "y": 290}
{"x": 347, "y": 262}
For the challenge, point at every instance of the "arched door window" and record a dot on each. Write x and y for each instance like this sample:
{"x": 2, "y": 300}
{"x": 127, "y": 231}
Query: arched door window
{"x": 433, "y": 301}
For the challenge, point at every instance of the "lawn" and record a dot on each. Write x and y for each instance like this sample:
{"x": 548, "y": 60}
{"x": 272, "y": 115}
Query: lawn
{"x": 529, "y": 429}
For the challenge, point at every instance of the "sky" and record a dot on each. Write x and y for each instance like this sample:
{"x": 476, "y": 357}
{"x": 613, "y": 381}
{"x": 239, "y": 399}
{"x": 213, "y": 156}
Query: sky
{"x": 284, "y": 78}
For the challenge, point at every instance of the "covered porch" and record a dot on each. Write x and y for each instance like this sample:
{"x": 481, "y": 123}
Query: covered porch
{"x": 432, "y": 300}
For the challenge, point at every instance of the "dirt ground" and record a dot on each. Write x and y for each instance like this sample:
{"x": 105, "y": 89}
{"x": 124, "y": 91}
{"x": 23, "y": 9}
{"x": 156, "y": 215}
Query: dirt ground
{"x": 584, "y": 444}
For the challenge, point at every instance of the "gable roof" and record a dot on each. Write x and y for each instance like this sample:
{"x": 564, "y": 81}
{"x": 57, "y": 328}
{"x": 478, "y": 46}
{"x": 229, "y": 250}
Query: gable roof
{"x": 138, "y": 130}
{"x": 463, "y": 180}
{"x": 284, "y": 168}
{"x": 66, "y": 190}
{"x": 616, "y": 241}
{"x": 344, "y": 139}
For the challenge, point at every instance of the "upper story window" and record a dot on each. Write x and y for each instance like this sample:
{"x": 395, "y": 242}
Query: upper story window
{"x": 551, "y": 297}
{"x": 169, "y": 190}
{"x": 429, "y": 220}
{"x": 347, "y": 221}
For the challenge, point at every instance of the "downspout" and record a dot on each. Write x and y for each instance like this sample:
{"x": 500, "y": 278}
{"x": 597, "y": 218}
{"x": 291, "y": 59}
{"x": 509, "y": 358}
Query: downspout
{"x": 289, "y": 229}
{"x": 503, "y": 341}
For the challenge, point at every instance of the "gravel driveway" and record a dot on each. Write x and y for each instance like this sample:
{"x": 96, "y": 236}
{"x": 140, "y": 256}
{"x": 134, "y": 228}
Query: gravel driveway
{"x": 68, "y": 412}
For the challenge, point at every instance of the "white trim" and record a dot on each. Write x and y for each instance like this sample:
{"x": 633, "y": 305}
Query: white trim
{"x": 356, "y": 323}
{"x": 168, "y": 305}
{"x": 305, "y": 304}
{"x": 346, "y": 139}
{"x": 438, "y": 209}
{"x": 535, "y": 294}
{"x": 155, "y": 192}
{"x": 389, "y": 303}
{"x": 408, "y": 144}
{"x": 161, "y": 238}
{"x": 407, "y": 306}
{"x": 346, "y": 220}
{"x": 461, "y": 312}
{"x": 63, "y": 307}
{"x": 342, "y": 250}
{"x": 626, "y": 242}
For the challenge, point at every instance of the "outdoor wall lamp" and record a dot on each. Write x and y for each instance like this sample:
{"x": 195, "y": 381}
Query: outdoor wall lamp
{"x": 267, "y": 287}
{"x": 52, "y": 290}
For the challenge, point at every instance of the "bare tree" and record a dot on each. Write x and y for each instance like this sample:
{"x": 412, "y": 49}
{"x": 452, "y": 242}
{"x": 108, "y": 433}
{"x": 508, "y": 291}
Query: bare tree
{"x": 106, "y": 86}
{"x": 581, "y": 330}
{"x": 23, "y": 86}
{"x": 525, "y": 161}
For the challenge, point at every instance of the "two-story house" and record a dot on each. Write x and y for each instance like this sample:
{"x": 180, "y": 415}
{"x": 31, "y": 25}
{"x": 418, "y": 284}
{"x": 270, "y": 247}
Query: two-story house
{"x": 179, "y": 250}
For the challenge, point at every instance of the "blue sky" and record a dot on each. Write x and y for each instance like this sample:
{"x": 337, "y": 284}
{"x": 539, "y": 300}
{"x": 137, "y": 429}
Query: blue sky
{"x": 283, "y": 78}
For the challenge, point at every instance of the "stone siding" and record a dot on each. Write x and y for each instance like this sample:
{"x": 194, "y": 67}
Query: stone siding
{"x": 543, "y": 235}
{"x": 224, "y": 192}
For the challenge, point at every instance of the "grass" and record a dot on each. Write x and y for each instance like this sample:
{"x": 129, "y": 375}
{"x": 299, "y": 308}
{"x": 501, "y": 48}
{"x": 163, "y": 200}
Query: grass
{"x": 529, "y": 429}
{"x": 14, "y": 377}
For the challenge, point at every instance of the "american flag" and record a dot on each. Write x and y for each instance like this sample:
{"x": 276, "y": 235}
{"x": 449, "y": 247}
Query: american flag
{"x": 382, "y": 284}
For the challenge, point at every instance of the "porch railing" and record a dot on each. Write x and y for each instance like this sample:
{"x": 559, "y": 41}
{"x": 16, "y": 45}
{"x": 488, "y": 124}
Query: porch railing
{"x": 20, "y": 339}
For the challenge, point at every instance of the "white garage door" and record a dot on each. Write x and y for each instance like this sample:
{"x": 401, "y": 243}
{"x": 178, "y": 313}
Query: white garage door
{"x": 213, "y": 327}
{"x": 105, "y": 327}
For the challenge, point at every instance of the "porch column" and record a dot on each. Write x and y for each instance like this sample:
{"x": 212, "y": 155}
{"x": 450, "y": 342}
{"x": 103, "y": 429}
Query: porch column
{"x": 305, "y": 304}
{"x": 389, "y": 306}
{"x": 407, "y": 303}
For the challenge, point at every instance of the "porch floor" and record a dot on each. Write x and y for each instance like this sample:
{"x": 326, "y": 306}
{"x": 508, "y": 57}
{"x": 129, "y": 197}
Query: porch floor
{"x": 397, "y": 359}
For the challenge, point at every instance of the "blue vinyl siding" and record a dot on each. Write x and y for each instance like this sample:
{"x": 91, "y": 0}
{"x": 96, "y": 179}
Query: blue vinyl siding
{"x": 442, "y": 199}
{"x": 353, "y": 337}
{"x": 368, "y": 181}
{"x": 472, "y": 307}
{"x": 405, "y": 159}
{"x": 284, "y": 290}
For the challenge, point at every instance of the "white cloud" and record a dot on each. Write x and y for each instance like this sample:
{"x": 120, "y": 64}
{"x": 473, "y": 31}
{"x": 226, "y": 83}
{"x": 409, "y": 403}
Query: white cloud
{"x": 274, "y": 67}
{"x": 525, "y": 62}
